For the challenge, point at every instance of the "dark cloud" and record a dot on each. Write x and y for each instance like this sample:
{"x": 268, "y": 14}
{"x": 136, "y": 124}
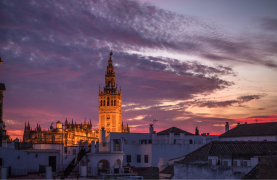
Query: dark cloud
{"x": 55, "y": 55}
{"x": 263, "y": 117}
{"x": 269, "y": 24}
{"x": 221, "y": 104}
{"x": 68, "y": 27}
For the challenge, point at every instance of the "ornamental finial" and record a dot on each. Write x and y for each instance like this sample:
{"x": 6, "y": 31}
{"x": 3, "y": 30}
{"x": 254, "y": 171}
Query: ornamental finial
{"x": 111, "y": 53}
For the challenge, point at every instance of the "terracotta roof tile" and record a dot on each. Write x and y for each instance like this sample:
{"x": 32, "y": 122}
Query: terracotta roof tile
{"x": 168, "y": 170}
{"x": 225, "y": 149}
{"x": 256, "y": 129}
{"x": 253, "y": 174}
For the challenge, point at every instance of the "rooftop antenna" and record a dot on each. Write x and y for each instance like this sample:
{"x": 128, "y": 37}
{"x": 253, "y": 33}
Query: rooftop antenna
{"x": 154, "y": 120}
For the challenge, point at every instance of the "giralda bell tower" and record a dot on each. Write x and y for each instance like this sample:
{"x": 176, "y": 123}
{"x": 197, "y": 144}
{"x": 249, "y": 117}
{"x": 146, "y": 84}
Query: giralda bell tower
{"x": 110, "y": 102}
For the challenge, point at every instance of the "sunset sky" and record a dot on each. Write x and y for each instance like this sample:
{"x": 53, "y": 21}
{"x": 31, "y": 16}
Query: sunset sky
{"x": 185, "y": 63}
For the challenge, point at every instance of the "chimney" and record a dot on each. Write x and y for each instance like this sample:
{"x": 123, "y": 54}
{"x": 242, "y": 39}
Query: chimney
{"x": 171, "y": 137}
{"x": 151, "y": 129}
{"x": 227, "y": 126}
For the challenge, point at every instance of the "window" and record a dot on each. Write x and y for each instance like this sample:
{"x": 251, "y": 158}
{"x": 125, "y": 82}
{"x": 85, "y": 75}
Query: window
{"x": 65, "y": 150}
{"x": 190, "y": 141}
{"x": 104, "y": 103}
{"x": 138, "y": 158}
{"x": 150, "y": 141}
{"x": 74, "y": 151}
{"x": 1, "y": 162}
{"x": 128, "y": 158}
{"x": 114, "y": 102}
{"x": 108, "y": 101}
{"x": 68, "y": 152}
{"x": 143, "y": 141}
{"x": 146, "y": 158}
{"x": 111, "y": 102}
{"x": 174, "y": 141}
{"x": 101, "y": 103}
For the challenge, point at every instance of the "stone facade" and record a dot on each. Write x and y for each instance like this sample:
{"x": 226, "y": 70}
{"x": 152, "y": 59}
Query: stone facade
{"x": 70, "y": 135}
{"x": 110, "y": 116}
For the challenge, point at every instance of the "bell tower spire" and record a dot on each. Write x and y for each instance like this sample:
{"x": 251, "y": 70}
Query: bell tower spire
{"x": 110, "y": 102}
{"x": 110, "y": 77}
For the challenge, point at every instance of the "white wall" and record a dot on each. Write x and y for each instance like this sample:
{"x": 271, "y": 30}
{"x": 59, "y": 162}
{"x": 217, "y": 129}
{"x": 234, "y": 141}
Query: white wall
{"x": 64, "y": 158}
{"x": 158, "y": 149}
{"x": 134, "y": 150}
{"x": 171, "y": 151}
{"x": 10, "y": 159}
{"x": 36, "y": 158}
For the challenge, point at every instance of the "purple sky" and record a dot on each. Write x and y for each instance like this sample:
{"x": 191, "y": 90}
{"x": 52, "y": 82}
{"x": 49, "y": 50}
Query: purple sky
{"x": 185, "y": 63}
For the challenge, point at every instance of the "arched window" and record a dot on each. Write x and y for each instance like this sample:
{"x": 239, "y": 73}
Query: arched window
{"x": 101, "y": 103}
{"x": 111, "y": 102}
{"x": 115, "y": 102}
{"x": 108, "y": 101}
{"x": 104, "y": 103}
{"x": 109, "y": 84}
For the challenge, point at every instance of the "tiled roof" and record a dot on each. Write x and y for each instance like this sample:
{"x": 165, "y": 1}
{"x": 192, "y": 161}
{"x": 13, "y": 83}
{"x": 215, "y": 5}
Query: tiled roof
{"x": 168, "y": 170}
{"x": 253, "y": 174}
{"x": 256, "y": 129}
{"x": 225, "y": 149}
{"x": 176, "y": 131}
{"x": 150, "y": 173}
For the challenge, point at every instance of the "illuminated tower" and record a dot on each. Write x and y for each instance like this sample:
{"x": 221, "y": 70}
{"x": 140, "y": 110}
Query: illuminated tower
{"x": 3, "y": 133}
{"x": 110, "y": 102}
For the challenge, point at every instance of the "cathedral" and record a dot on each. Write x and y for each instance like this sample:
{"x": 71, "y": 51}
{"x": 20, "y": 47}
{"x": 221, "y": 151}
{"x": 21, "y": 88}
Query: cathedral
{"x": 70, "y": 134}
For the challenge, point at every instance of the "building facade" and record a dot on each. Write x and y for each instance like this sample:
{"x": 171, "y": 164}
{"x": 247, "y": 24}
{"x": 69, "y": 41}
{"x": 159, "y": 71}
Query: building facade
{"x": 70, "y": 135}
{"x": 4, "y": 138}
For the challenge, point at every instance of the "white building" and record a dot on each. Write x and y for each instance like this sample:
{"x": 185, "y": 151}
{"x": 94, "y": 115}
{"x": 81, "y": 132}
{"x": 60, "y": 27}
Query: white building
{"x": 250, "y": 132}
{"x": 22, "y": 162}
{"x": 142, "y": 149}
{"x": 222, "y": 160}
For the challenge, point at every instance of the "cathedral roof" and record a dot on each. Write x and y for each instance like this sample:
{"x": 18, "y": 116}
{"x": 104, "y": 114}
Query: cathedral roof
{"x": 176, "y": 131}
{"x": 57, "y": 130}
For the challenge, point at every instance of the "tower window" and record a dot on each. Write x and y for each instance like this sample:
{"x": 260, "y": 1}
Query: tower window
{"x": 108, "y": 101}
{"x": 115, "y": 102}
{"x": 104, "y": 103}
{"x": 101, "y": 103}
{"x": 111, "y": 102}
